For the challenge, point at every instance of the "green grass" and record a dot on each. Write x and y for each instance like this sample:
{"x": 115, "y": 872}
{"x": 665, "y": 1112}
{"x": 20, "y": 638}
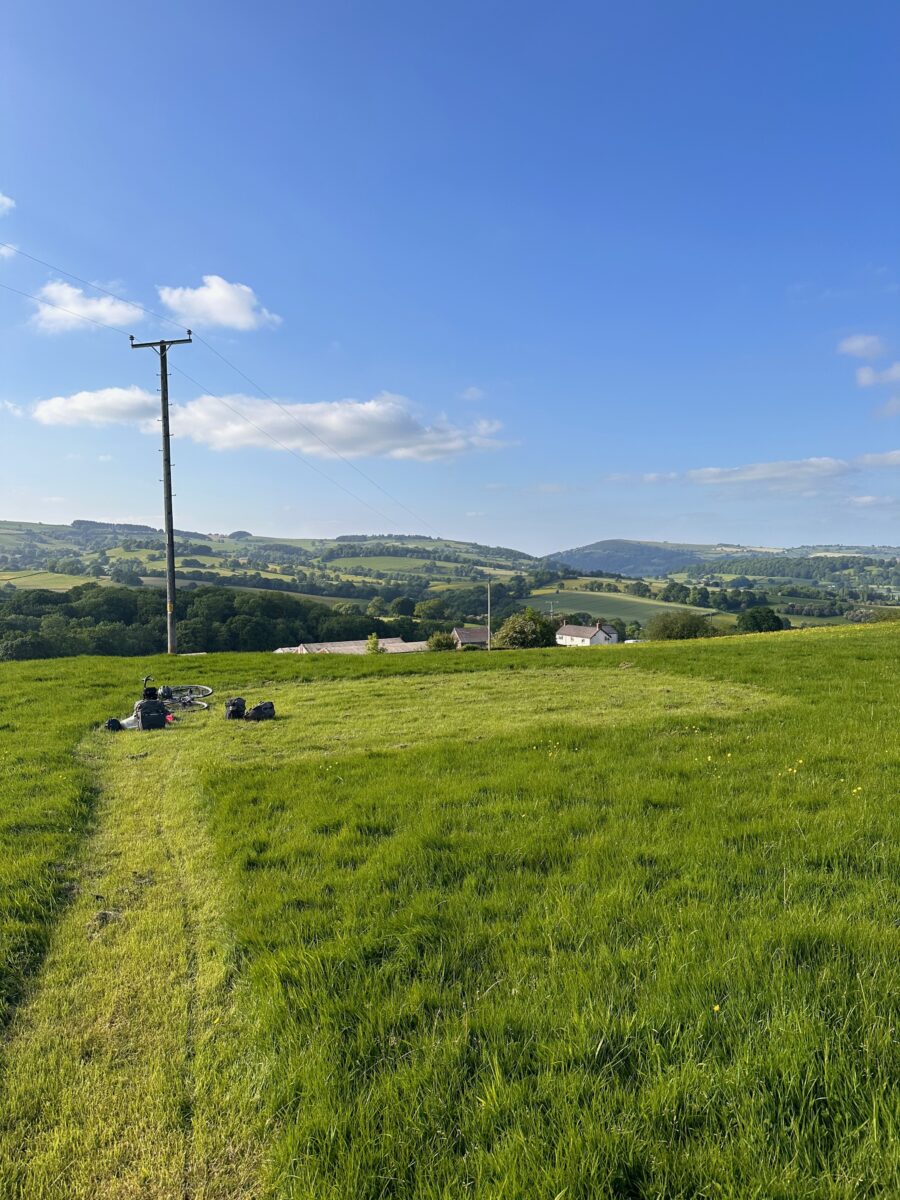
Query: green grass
{"x": 606, "y": 604}
{"x": 46, "y": 579}
{"x": 614, "y": 924}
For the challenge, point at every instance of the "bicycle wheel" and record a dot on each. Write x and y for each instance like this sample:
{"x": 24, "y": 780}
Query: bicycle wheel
{"x": 185, "y": 704}
{"x": 189, "y": 691}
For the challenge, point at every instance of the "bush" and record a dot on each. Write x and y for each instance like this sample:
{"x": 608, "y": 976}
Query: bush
{"x": 525, "y": 631}
{"x": 441, "y": 641}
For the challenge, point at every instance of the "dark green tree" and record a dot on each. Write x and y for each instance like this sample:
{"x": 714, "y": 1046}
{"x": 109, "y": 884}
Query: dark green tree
{"x": 759, "y": 620}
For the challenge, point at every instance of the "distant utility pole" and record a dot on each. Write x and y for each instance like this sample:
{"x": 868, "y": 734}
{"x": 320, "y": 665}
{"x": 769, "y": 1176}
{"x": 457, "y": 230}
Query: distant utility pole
{"x": 162, "y": 349}
{"x": 489, "y": 614}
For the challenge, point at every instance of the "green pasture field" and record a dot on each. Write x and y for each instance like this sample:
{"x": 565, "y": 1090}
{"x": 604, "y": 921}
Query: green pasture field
{"x": 535, "y": 924}
{"x": 47, "y": 580}
{"x": 385, "y": 562}
{"x": 612, "y": 604}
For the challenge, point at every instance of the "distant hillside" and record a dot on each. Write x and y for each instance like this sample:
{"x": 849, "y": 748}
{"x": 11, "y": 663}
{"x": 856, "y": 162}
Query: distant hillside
{"x": 635, "y": 558}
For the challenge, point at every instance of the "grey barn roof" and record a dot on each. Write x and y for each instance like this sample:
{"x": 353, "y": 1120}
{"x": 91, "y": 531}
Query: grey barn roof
{"x": 478, "y": 634}
{"x": 391, "y": 645}
{"x": 584, "y": 631}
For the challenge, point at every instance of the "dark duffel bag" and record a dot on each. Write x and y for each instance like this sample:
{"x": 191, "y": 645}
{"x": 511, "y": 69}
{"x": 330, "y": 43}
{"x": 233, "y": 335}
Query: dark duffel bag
{"x": 151, "y": 714}
{"x": 261, "y": 712}
{"x": 235, "y": 707}
{"x": 114, "y": 725}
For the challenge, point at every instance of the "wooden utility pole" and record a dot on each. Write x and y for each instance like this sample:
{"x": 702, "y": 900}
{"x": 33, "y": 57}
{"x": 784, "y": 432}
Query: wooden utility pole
{"x": 162, "y": 349}
{"x": 489, "y": 612}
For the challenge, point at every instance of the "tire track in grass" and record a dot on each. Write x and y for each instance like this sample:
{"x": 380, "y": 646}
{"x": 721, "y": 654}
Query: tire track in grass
{"x": 149, "y": 1092}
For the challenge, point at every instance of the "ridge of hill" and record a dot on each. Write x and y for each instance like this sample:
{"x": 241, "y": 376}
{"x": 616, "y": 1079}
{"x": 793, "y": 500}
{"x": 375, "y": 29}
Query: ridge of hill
{"x": 661, "y": 558}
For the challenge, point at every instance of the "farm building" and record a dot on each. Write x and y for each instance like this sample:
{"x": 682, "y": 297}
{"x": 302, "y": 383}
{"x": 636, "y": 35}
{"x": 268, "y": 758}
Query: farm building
{"x": 390, "y": 645}
{"x": 476, "y": 636}
{"x": 586, "y": 635}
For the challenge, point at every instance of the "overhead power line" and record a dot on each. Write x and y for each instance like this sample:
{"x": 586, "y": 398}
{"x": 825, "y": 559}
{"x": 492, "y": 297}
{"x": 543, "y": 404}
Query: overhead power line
{"x": 197, "y": 337}
{"x": 208, "y": 392}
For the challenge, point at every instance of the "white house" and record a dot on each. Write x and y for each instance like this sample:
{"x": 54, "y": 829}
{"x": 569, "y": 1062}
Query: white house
{"x": 586, "y": 635}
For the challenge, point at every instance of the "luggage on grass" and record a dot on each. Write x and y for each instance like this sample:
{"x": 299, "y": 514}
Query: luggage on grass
{"x": 261, "y": 712}
{"x": 235, "y": 708}
{"x": 151, "y": 714}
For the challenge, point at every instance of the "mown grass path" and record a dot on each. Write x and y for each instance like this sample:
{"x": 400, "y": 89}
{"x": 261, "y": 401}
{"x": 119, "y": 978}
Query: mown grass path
{"x": 117, "y": 1082}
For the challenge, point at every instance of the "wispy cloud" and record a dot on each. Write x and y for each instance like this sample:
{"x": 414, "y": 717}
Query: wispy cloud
{"x": 862, "y": 345}
{"x": 7, "y": 250}
{"x": 873, "y": 501}
{"x": 804, "y": 475}
{"x": 783, "y": 474}
{"x": 890, "y": 408}
{"x": 473, "y": 394}
{"x": 14, "y": 410}
{"x": 7, "y": 204}
{"x": 217, "y": 304}
{"x": 869, "y": 377}
{"x": 384, "y": 427}
{"x": 68, "y": 307}
{"x": 886, "y": 458}
{"x": 653, "y": 476}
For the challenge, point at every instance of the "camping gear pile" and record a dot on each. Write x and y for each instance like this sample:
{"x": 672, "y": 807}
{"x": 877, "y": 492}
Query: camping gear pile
{"x": 152, "y": 711}
{"x": 236, "y": 710}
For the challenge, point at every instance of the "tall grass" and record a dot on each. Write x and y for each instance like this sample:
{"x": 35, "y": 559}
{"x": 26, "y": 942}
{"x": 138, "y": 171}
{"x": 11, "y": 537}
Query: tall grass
{"x": 615, "y": 923}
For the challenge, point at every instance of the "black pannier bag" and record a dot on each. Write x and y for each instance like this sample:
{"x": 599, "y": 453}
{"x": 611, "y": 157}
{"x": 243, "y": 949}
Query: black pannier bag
{"x": 235, "y": 707}
{"x": 114, "y": 725}
{"x": 151, "y": 714}
{"x": 261, "y": 712}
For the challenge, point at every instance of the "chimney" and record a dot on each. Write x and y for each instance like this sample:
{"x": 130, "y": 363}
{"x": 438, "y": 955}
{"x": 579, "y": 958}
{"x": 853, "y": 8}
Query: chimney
{"x": 599, "y": 624}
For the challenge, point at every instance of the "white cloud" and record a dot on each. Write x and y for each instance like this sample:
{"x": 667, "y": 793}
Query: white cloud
{"x": 869, "y": 377}
{"x": 890, "y": 408}
{"x": 888, "y": 458}
{"x": 217, "y": 303}
{"x": 383, "y": 427}
{"x": 656, "y": 477}
{"x": 107, "y": 406}
{"x": 787, "y": 474}
{"x": 106, "y": 310}
{"x": 7, "y": 204}
{"x": 7, "y": 251}
{"x": 104, "y": 458}
{"x": 862, "y": 345}
{"x": 14, "y": 410}
{"x": 873, "y": 501}
{"x": 472, "y": 393}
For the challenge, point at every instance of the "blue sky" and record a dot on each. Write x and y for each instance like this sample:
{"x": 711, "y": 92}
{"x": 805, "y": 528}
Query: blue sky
{"x": 544, "y": 274}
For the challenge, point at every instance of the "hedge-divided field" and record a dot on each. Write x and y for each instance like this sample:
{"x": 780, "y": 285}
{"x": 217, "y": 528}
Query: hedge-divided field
{"x": 606, "y": 923}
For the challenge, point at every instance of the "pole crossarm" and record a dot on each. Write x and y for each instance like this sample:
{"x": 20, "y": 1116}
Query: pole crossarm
{"x": 161, "y": 343}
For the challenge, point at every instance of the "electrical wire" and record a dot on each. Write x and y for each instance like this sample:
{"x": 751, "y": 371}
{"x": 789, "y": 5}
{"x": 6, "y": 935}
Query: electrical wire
{"x": 199, "y": 338}
{"x": 208, "y": 392}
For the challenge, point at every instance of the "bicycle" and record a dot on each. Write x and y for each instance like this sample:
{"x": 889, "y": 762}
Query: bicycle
{"x": 181, "y": 697}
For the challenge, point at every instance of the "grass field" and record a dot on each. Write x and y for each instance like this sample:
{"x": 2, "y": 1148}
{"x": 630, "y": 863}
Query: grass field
{"x": 619, "y": 923}
{"x": 47, "y": 580}
{"x": 612, "y": 604}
